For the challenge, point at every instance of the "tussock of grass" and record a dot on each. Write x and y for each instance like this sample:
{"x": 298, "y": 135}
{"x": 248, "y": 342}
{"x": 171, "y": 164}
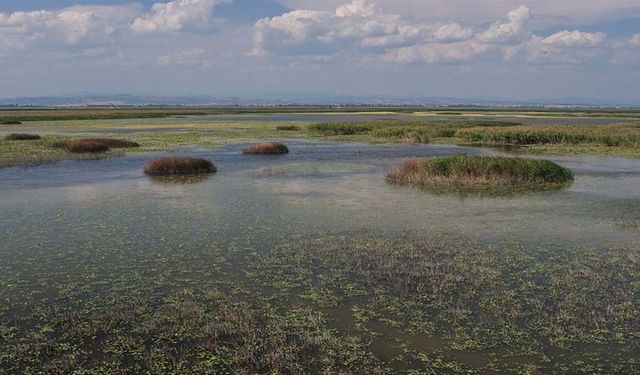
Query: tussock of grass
{"x": 85, "y": 146}
{"x": 109, "y": 142}
{"x": 21, "y": 137}
{"x": 288, "y": 127}
{"x": 179, "y": 165}
{"x": 10, "y": 122}
{"x": 479, "y": 171}
{"x": 608, "y": 135}
{"x": 266, "y": 148}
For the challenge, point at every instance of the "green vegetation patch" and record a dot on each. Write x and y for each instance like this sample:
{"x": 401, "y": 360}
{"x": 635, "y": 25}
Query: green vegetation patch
{"x": 417, "y": 131}
{"x": 607, "y": 135}
{"x": 21, "y": 137}
{"x": 480, "y": 171}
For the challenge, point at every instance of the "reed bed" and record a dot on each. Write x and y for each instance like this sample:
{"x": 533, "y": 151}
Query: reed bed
{"x": 21, "y": 137}
{"x": 266, "y": 148}
{"x": 179, "y": 165}
{"x": 607, "y": 135}
{"x": 340, "y": 128}
{"x": 479, "y": 171}
{"x": 419, "y": 131}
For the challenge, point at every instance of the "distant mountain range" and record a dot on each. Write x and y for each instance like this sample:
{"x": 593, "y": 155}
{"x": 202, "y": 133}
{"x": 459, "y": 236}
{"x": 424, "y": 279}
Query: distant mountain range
{"x": 302, "y": 99}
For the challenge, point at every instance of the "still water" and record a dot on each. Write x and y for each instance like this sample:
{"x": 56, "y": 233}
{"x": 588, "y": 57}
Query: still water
{"x": 75, "y": 226}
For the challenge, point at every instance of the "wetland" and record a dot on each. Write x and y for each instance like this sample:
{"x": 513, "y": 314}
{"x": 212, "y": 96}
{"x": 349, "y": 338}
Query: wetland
{"x": 311, "y": 261}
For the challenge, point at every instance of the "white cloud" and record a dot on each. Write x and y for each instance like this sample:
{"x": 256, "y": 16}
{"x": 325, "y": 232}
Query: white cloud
{"x": 177, "y": 15}
{"x": 361, "y": 30}
{"x": 575, "y": 39}
{"x": 87, "y": 25}
{"x": 563, "y": 47}
{"x": 635, "y": 40}
{"x": 197, "y": 57}
{"x": 352, "y": 27}
{"x": 513, "y": 29}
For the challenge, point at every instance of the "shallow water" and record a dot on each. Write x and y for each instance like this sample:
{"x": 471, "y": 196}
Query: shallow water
{"x": 85, "y": 222}
{"x": 343, "y": 185}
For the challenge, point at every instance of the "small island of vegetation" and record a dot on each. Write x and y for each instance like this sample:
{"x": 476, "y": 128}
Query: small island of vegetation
{"x": 480, "y": 172}
{"x": 266, "y": 148}
{"x": 179, "y": 165}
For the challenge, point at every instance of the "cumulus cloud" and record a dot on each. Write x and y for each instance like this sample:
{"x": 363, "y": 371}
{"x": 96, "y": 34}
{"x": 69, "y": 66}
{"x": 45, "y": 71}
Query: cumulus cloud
{"x": 562, "y": 47}
{"x": 88, "y": 25}
{"x": 362, "y": 30}
{"x": 513, "y": 29}
{"x": 635, "y": 40}
{"x": 355, "y": 26}
{"x": 177, "y": 15}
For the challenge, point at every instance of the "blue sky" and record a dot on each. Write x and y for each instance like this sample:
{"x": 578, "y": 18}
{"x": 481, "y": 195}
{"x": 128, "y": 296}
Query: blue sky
{"x": 413, "y": 48}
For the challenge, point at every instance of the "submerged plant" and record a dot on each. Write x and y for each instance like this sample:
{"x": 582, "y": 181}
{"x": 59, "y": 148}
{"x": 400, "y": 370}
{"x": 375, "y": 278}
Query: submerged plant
{"x": 266, "y": 148}
{"x": 179, "y": 165}
{"x": 479, "y": 171}
{"x": 21, "y": 137}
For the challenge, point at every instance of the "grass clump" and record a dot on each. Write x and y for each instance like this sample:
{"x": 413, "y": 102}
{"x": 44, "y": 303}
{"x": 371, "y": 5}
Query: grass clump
{"x": 288, "y": 127}
{"x": 340, "y": 128}
{"x": 82, "y": 146}
{"x": 480, "y": 171}
{"x": 10, "y": 122}
{"x": 266, "y": 148}
{"x": 21, "y": 137}
{"x": 179, "y": 165}
{"x": 108, "y": 142}
{"x": 607, "y": 135}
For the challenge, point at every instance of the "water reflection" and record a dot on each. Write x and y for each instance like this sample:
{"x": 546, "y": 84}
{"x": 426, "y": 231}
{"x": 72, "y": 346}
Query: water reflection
{"x": 179, "y": 179}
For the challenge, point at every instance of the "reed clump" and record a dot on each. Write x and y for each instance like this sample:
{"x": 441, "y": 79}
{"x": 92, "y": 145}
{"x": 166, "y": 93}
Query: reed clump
{"x": 480, "y": 171}
{"x": 266, "y": 148}
{"x": 108, "y": 142}
{"x": 288, "y": 127}
{"x": 21, "y": 137}
{"x": 607, "y": 135}
{"x": 179, "y": 165}
{"x": 82, "y": 146}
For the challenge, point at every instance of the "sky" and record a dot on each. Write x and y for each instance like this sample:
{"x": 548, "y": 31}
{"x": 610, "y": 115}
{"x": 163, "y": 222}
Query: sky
{"x": 507, "y": 49}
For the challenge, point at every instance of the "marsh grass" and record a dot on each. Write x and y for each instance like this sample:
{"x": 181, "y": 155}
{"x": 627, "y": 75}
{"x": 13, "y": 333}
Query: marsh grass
{"x": 21, "y": 137}
{"x": 606, "y": 135}
{"x": 340, "y": 128}
{"x": 266, "y": 148}
{"x": 417, "y": 131}
{"x": 179, "y": 165}
{"x": 480, "y": 171}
